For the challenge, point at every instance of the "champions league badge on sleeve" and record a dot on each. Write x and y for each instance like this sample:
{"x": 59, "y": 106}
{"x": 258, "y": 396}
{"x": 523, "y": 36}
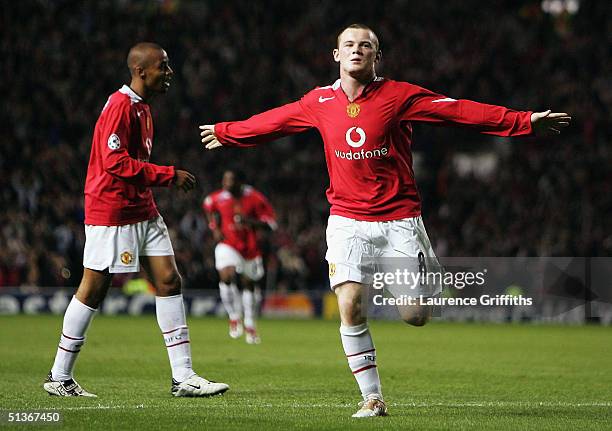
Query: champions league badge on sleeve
{"x": 114, "y": 143}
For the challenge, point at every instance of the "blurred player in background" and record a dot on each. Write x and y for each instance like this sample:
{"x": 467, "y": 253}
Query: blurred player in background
{"x": 366, "y": 125}
{"x": 234, "y": 213}
{"x": 123, "y": 228}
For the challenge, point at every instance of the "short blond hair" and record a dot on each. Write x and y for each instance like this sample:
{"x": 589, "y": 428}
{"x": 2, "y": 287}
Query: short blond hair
{"x": 362, "y": 27}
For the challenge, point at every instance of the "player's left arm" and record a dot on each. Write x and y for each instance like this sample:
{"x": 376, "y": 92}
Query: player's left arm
{"x": 266, "y": 213}
{"x": 264, "y": 217}
{"x": 114, "y": 135}
{"x": 420, "y": 104}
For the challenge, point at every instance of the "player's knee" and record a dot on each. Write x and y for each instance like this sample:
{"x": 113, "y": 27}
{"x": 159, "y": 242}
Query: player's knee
{"x": 90, "y": 298}
{"x": 246, "y": 284}
{"x": 227, "y": 275}
{"x": 351, "y": 314}
{"x": 415, "y": 316}
{"x": 169, "y": 284}
{"x": 350, "y": 309}
{"x": 93, "y": 287}
{"x": 348, "y": 303}
{"x": 418, "y": 320}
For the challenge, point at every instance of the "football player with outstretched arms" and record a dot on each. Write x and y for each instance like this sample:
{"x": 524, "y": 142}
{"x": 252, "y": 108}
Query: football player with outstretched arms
{"x": 123, "y": 228}
{"x": 366, "y": 125}
{"x": 234, "y": 213}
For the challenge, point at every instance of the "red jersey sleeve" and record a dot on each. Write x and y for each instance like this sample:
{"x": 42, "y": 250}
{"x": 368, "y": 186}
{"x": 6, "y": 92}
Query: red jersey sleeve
{"x": 419, "y": 104}
{"x": 285, "y": 120}
{"x": 116, "y": 161}
{"x": 208, "y": 206}
{"x": 265, "y": 212}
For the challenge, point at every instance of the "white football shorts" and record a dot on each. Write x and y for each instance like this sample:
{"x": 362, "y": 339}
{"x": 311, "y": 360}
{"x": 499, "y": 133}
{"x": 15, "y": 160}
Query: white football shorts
{"x": 226, "y": 255}
{"x": 356, "y": 250}
{"x": 119, "y": 248}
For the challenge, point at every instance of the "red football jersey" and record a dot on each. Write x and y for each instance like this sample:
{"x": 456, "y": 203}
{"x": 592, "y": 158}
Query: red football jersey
{"x": 234, "y": 211}
{"x": 119, "y": 176}
{"x": 367, "y": 142}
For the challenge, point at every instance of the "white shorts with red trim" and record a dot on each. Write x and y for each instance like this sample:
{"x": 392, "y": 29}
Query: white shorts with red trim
{"x": 353, "y": 246}
{"x": 119, "y": 248}
{"x": 226, "y": 256}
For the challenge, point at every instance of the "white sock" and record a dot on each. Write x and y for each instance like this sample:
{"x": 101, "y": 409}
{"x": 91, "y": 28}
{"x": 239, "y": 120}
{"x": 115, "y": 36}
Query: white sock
{"x": 227, "y": 298}
{"x": 361, "y": 356}
{"x": 76, "y": 321}
{"x": 237, "y": 300}
{"x": 171, "y": 318}
{"x": 248, "y": 301}
{"x": 258, "y": 296}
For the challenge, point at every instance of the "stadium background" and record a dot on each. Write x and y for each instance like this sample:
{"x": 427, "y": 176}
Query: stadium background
{"x": 483, "y": 196}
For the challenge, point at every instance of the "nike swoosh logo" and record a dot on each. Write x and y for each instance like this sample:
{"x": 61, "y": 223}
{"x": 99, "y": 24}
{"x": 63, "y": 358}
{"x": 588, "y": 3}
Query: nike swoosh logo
{"x": 446, "y": 99}
{"x": 325, "y": 99}
{"x": 193, "y": 386}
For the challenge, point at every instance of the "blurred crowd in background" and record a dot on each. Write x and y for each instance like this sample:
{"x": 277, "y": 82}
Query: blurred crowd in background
{"x": 483, "y": 196}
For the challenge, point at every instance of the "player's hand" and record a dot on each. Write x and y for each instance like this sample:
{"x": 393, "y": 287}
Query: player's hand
{"x": 209, "y": 139}
{"x": 184, "y": 180}
{"x": 547, "y": 122}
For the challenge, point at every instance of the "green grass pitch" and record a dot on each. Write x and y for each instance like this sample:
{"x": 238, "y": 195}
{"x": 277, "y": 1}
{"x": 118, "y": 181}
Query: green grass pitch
{"x": 443, "y": 376}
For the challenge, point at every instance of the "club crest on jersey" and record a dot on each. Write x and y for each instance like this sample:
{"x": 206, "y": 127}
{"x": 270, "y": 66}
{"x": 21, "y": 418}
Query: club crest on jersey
{"x": 114, "y": 142}
{"x": 332, "y": 269}
{"x": 353, "y": 109}
{"x": 126, "y": 257}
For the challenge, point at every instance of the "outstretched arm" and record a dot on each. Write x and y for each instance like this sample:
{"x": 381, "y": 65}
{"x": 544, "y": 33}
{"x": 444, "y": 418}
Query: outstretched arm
{"x": 420, "y": 104}
{"x": 265, "y": 127}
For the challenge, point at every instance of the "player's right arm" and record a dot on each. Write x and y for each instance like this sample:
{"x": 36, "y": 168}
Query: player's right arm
{"x": 285, "y": 120}
{"x": 116, "y": 161}
{"x": 214, "y": 220}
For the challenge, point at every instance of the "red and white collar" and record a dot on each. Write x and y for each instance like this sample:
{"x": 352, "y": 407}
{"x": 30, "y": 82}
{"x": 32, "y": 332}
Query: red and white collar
{"x": 134, "y": 98}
